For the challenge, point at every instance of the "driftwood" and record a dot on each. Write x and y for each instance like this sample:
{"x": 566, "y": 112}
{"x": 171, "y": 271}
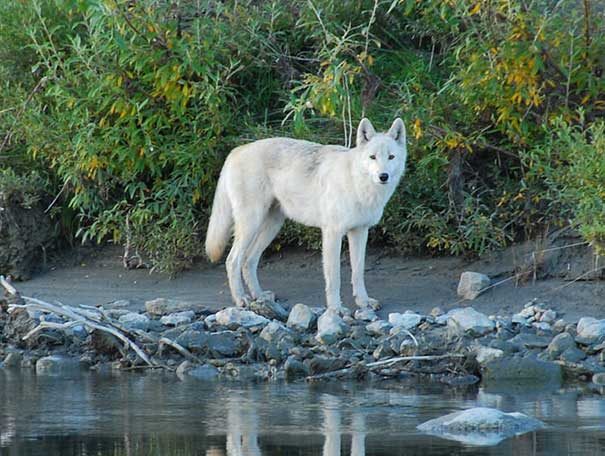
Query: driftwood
{"x": 383, "y": 363}
{"x": 182, "y": 350}
{"x": 88, "y": 317}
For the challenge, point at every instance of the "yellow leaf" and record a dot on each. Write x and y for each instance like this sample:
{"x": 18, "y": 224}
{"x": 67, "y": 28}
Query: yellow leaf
{"x": 476, "y": 9}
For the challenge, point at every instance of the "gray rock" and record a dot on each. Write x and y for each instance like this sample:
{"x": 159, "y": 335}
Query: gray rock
{"x": 559, "y": 344}
{"x": 205, "y": 372}
{"x": 559, "y": 326}
{"x": 330, "y": 327}
{"x": 225, "y": 343}
{"x": 234, "y": 317}
{"x": 405, "y": 320}
{"x": 485, "y": 355}
{"x": 163, "y": 306}
{"x": 366, "y": 314}
{"x": 301, "y": 317}
{"x": 13, "y": 359}
{"x": 274, "y": 332}
{"x": 480, "y": 426}
{"x": 599, "y": 379}
{"x": 591, "y": 331}
{"x": 517, "y": 368}
{"x": 436, "y": 312}
{"x": 530, "y": 341}
{"x": 549, "y": 316}
{"x": 195, "y": 341}
{"x": 572, "y": 355}
{"x": 134, "y": 320}
{"x": 178, "y": 318}
{"x": 468, "y": 320}
{"x": 472, "y": 284}
{"x": 295, "y": 369}
{"x": 320, "y": 364}
{"x": 520, "y": 320}
{"x": 57, "y": 365}
{"x": 378, "y": 328}
{"x": 269, "y": 309}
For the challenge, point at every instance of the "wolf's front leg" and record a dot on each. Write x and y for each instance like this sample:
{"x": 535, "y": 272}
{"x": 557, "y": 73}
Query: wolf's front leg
{"x": 331, "y": 245}
{"x": 358, "y": 238}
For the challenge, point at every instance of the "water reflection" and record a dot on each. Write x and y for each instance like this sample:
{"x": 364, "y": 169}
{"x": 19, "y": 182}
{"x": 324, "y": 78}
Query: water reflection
{"x": 158, "y": 415}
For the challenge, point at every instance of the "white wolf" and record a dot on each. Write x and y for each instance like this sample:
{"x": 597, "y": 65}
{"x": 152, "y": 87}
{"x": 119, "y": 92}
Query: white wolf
{"x": 340, "y": 190}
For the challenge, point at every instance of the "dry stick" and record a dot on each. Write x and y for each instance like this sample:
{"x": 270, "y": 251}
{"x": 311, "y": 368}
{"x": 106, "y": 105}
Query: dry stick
{"x": 182, "y": 350}
{"x": 8, "y": 287}
{"x": 382, "y": 363}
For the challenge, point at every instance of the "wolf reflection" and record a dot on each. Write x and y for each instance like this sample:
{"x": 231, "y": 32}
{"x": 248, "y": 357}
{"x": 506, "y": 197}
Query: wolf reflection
{"x": 243, "y": 424}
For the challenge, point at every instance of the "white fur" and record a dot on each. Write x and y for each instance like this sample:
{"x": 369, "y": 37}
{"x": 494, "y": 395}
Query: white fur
{"x": 330, "y": 187}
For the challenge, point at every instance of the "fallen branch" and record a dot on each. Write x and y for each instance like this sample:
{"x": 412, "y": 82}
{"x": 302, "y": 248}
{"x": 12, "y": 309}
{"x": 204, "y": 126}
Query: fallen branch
{"x": 380, "y": 364}
{"x": 8, "y": 286}
{"x": 182, "y": 350}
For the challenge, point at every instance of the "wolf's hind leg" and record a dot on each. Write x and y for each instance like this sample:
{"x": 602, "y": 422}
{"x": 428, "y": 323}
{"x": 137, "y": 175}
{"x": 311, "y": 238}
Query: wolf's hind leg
{"x": 269, "y": 229}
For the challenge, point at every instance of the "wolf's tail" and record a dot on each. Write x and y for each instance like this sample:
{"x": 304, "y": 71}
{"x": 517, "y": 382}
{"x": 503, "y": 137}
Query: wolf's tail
{"x": 221, "y": 220}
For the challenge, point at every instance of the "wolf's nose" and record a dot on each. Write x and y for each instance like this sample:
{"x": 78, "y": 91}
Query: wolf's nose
{"x": 383, "y": 177}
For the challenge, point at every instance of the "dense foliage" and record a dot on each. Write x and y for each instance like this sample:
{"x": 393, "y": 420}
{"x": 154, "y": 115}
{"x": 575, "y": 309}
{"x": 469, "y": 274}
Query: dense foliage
{"x": 127, "y": 108}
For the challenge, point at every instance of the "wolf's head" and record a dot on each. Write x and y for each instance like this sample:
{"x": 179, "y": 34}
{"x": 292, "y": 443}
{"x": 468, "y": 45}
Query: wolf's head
{"x": 382, "y": 155}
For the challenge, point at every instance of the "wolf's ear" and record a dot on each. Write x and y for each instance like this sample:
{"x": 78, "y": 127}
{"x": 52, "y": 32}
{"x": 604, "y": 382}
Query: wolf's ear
{"x": 397, "y": 131}
{"x": 365, "y": 131}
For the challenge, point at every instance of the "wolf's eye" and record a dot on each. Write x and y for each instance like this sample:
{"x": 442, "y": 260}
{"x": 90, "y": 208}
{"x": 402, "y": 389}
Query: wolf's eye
{"x": 391, "y": 157}
{"x": 373, "y": 157}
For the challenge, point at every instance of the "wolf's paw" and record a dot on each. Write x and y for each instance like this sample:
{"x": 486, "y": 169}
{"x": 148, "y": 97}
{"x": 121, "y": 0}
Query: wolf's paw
{"x": 243, "y": 301}
{"x": 371, "y": 303}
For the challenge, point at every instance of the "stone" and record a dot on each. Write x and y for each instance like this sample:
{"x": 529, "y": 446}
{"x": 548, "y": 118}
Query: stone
{"x": 480, "y": 426}
{"x": 405, "y": 320}
{"x": 269, "y": 308}
{"x": 559, "y": 326}
{"x": 274, "y": 332}
{"x": 295, "y": 369}
{"x": 472, "y": 284}
{"x": 559, "y": 344}
{"x": 234, "y": 317}
{"x": 436, "y": 312}
{"x": 468, "y": 320}
{"x": 487, "y": 354}
{"x": 13, "y": 359}
{"x": 591, "y": 331}
{"x": 330, "y": 327}
{"x": 321, "y": 363}
{"x": 378, "y": 328}
{"x": 549, "y": 316}
{"x": 195, "y": 341}
{"x": 517, "y": 368}
{"x": 528, "y": 312}
{"x": 178, "y": 318}
{"x": 530, "y": 341}
{"x": 301, "y": 318}
{"x": 599, "y": 378}
{"x": 134, "y": 320}
{"x": 519, "y": 320}
{"x": 542, "y": 326}
{"x": 163, "y": 306}
{"x": 57, "y": 365}
{"x": 225, "y": 343}
{"x": 365, "y": 314}
{"x": 205, "y": 372}
{"x": 572, "y": 355}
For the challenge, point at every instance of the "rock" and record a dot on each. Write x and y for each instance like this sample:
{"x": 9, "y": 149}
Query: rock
{"x": 436, "y": 312}
{"x": 234, "y": 317}
{"x": 527, "y": 312}
{"x": 517, "y": 368}
{"x": 192, "y": 340}
{"x": 57, "y": 365}
{"x": 274, "y": 332}
{"x": 295, "y": 369}
{"x": 163, "y": 306}
{"x": 468, "y": 320}
{"x": 365, "y": 314}
{"x": 559, "y": 326}
{"x": 320, "y": 364}
{"x": 572, "y": 355}
{"x": 205, "y": 372}
{"x": 405, "y": 320}
{"x": 591, "y": 331}
{"x": 559, "y": 344}
{"x": 378, "y": 328}
{"x": 301, "y": 318}
{"x": 225, "y": 343}
{"x": 480, "y": 426}
{"x": 330, "y": 327}
{"x": 487, "y": 354}
{"x": 542, "y": 326}
{"x": 134, "y": 320}
{"x": 13, "y": 359}
{"x": 530, "y": 341}
{"x": 599, "y": 379}
{"x": 519, "y": 320}
{"x": 549, "y": 316}
{"x": 118, "y": 304}
{"x": 472, "y": 284}
{"x": 178, "y": 318}
{"x": 269, "y": 309}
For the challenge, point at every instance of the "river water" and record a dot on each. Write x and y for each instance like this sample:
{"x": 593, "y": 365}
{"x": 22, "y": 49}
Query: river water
{"x": 156, "y": 414}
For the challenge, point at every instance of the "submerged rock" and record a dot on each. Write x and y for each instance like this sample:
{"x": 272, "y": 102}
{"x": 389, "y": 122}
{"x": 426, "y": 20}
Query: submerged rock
{"x": 57, "y": 365}
{"x": 468, "y": 320}
{"x": 528, "y": 369}
{"x": 480, "y": 426}
{"x": 472, "y": 284}
{"x": 301, "y": 317}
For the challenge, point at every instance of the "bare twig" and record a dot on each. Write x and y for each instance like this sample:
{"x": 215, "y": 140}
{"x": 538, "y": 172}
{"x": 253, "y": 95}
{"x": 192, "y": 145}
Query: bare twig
{"x": 182, "y": 350}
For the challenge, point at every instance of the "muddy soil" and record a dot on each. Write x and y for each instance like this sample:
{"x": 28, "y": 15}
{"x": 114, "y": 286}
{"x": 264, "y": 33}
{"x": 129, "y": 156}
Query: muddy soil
{"x": 400, "y": 282}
